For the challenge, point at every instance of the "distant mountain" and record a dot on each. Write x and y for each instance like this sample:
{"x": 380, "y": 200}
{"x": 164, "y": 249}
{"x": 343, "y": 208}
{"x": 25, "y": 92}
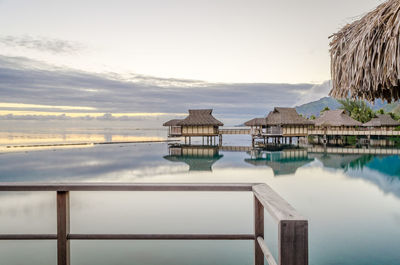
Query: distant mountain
{"x": 314, "y": 108}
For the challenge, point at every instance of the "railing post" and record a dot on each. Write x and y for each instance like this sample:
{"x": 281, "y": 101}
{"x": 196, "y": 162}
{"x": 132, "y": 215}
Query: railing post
{"x": 63, "y": 248}
{"x": 258, "y": 231}
{"x": 293, "y": 242}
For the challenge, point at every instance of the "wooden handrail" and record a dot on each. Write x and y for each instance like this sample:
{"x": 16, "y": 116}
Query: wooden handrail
{"x": 293, "y": 228}
{"x": 277, "y": 207}
{"x": 125, "y": 187}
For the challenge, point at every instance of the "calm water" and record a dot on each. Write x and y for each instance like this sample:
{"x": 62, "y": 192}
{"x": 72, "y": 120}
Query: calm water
{"x": 352, "y": 202}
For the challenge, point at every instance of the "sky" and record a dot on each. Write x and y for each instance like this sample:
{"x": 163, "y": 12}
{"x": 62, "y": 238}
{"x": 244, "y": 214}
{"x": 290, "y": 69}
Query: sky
{"x": 164, "y": 56}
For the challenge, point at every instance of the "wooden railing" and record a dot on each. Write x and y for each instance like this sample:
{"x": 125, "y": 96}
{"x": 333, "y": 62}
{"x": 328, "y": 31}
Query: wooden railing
{"x": 293, "y": 228}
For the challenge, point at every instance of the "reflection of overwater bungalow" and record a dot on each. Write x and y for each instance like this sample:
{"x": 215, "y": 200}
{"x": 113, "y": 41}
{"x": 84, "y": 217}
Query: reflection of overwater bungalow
{"x": 199, "y": 123}
{"x": 382, "y": 122}
{"x": 282, "y": 163}
{"x": 199, "y": 158}
{"x": 336, "y": 161}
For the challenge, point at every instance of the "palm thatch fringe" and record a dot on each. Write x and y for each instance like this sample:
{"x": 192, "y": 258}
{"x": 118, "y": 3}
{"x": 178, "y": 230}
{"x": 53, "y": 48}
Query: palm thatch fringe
{"x": 365, "y": 56}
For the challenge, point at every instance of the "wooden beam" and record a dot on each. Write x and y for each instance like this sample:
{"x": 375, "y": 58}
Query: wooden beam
{"x": 28, "y": 237}
{"x": 161, "y": 237}
{"x": 267, "y": 253}
{"x": 258, "y": 231}
{"x": 125, "y": 187}
{"x": 277, "y": 207}
{"x": 293, "y": 242}
{"x": 63, "y": 228}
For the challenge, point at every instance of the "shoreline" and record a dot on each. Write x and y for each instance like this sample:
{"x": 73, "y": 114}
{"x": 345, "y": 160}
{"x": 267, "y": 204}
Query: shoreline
{"x": 83, "y": 144}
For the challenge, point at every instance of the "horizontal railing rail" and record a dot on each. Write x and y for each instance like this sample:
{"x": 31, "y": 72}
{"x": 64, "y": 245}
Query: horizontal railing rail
{"x": 293, "y": 228}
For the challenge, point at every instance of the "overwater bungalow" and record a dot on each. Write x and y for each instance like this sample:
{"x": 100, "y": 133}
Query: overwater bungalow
{"x": 382, "y": 122}
{"x": 334, "y": 124}
{"x": 281, "y": 124}
{"x": 287, "y": 123}
{"x": 199, "y": 123}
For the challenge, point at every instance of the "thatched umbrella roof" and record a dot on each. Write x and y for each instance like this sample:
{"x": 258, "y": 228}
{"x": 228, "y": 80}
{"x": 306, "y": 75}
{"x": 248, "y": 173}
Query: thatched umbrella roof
{"x": 382, "y": 120}
{"x": 365, "y": 56}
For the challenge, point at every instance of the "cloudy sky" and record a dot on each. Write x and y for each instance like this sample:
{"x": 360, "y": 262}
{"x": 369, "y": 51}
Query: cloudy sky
{"x": 164, "y": 56}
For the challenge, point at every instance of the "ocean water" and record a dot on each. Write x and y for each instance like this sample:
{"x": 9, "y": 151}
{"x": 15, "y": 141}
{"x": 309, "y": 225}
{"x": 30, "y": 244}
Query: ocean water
{"x": 352, "y": 201}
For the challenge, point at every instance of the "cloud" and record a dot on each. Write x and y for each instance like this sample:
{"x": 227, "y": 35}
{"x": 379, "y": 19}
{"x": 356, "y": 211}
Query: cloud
{"x": 315, "y": 92}
{"x": 31, "y": 82}
{"x": 55, "y": 46}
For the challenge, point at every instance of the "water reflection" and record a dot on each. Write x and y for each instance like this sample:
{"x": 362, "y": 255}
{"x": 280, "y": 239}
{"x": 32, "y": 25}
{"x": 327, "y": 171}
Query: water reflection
{"x": 197, "y": 157}
{"x": 348, "y": 195}
{"x": 284, "y": 162}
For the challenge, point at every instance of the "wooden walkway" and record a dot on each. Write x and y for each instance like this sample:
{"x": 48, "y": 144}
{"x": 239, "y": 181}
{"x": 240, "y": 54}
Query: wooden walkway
{"x": 354, "y": 132}
{"x": 292, "y": 227}
{"x": 361, "y": 132}
{"x": 234, "y": 131}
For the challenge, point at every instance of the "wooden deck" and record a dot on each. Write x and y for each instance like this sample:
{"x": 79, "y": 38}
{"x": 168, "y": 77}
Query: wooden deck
{"x": 292, "y": 227}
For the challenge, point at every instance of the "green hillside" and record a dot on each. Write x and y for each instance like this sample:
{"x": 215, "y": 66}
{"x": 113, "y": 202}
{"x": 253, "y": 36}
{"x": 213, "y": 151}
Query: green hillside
{"x": 314, "y": 108}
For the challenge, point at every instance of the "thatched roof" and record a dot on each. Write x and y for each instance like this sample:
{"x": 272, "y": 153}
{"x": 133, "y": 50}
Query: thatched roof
{"x": 381, "y": 120}
{"x": 172, "y": 122}
{"x": 286, "y": 116}
{"x": 197, "y": 117}
{"x": 336, "y": 118}
{"x": 365, "y": 56}
{"x": 256, "y": 122}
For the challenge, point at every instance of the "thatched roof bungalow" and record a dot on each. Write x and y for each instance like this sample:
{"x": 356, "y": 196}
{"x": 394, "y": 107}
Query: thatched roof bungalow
{"x": 286, "y": 116}
{"x": 365, "y": 56}
{"x": 200, "y": 122}
{"x": 287, "y": 122}
{"x": 336, "y": 118}
{"x": 383, "y": 121}
{"x": 280, "y": 122}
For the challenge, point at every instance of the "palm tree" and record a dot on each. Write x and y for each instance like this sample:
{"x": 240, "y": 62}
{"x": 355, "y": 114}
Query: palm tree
{"x": 357, "y": 109}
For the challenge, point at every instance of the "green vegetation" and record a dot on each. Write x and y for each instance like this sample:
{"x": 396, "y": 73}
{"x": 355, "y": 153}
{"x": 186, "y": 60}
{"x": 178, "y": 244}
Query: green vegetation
{"x": 324, "y": 109}
{"x": 358, "y": 109}
{"x": 351, "y": 140}
{"x": 312, "y": 117}
{"x": 380, "y": 111}
{"x": 394, "y": 116}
